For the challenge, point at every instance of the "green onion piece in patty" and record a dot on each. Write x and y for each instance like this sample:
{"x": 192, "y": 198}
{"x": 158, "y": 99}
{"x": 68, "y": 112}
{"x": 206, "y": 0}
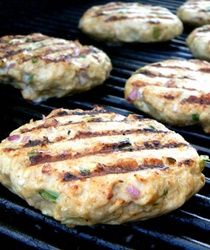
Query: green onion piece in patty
{"x": 205, "y": 158}
{"x": 34, "y": 60}
{"x": 32, "y": 153}
{"x": 49, "y": 195}
{"x": 152, "y": 127}
{"x": 84, "y": 172}
{"x": 156, "y": 33}
{"x": 195, "y": 117}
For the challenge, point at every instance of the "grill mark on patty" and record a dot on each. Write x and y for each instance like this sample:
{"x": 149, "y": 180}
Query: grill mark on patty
{"x": 203, "y": 30}
{"x": 77, "y": 51}
{"x": 86, "y": 134}
{"x": 95, "y": 111}
{"x": 62, "y": 58}
{"x": 168, "y": 96}
{"x": 74, "y": 52}
{"x": 129, "y": 7}
{"x": 159, "y": 65}
{"x": 170, "y": 84}
{"x": 34, "y": 143}
{"x": 202, "y": 100}
{"x": 89, "y": 134}
{"x": 187, "y": 162}
{"x": 122, "y": 146}
{"x": 116, "y": 168}
{"x": 67, "y": 57}
{"x": 12, "y": 53}
{"x": 92, "y": 121}
{"x": 48, "y": 125}
{"x": 52, "y": 122}
{"x": 118, "y": 18}
{"x": 19, "y": 38}
{"x": 151, "y": 74}
{"x": 26, "y": 44}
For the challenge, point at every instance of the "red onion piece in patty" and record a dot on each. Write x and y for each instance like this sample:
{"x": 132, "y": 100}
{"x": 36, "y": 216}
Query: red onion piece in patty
{"x": 133, "y": 192}
{"x": 134, "y": 95}
{"x": 13, "y": 137}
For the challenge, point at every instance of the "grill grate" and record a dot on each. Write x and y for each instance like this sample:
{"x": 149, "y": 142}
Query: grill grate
{"x": 23, "y": 227}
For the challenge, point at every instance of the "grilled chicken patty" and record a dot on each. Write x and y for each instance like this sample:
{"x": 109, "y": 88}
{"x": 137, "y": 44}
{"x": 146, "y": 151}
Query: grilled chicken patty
{"x": 44, "y": 67}
{"x": 195, "y": 12}
{"x": 173, "y": 91}
{"x": 198, "y": 42}
{"x": 88, "y": 167}
{"x": 130, "y": 22}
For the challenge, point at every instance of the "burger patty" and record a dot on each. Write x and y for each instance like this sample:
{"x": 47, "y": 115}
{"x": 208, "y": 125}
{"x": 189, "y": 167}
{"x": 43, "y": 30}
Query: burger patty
{"x": 174, "y": 91}
{"x": 130, "y": 22}
{"x": 44, "y": 67}
{"x": 198, "y": 42}
{"x": 88, "y": 167}
{"x": 195, "y": 12}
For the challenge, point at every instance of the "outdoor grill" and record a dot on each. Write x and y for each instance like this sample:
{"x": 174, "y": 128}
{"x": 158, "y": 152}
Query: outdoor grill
{"x": 21, "y": 226}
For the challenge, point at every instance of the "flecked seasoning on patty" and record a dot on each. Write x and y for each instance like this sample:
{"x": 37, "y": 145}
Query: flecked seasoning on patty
{"x": 130, "y": 22}
{"x": 195, "y": 12}
{"x": 89, "y": 167}
{"x": 43, "y": 67}
{"x": 174, "y": 91}
{"x": 198, "y": 42}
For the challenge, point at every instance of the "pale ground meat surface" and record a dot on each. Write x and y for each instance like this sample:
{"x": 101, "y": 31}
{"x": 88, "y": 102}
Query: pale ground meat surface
{"x": 199, "y": 42}
{"x": 89, "y": 167}
{"x": 43, "y": 67}
{"x": 174, "y": 91}
{"x": 195, "y": 12}
{"x": 130, "y": 22}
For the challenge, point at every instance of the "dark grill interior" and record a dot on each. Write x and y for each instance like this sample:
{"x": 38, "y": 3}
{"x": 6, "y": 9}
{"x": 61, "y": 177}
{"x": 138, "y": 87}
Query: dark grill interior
{"x": 21, "y": 226}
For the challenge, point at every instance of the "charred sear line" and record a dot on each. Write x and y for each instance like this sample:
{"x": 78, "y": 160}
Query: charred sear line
{"x": 127, "y": 17}
{"x": 171, "y": 83}
{"x": 118, "y": 168}
{"x": 33, "y": 143}
{"x": 12, "y": 50}
{"x": 88, "y": 134}
{"x": 159, "y": 74}
{"x": 168, "y": 97}
{"x": 69, "y": 177}
{"x": 123, "y": 145}
{"x": 204, "y": 29}
{"x": 187, "y": 162}
{"x": 53, "y": 123}
{"x": 206, "y": 70}
{"x": 42, "y": 54}
{"x": 67, "y": 58}
{"x": 81, "y": 113}
{"x": 159, "y": 65}
{"x": 10, "y": 53}
{"x": 39, "y": 157}
{"x": 71, "y": 55}
{"x": 202, "y": 100}
{"x": 152, "y": 144}
{"x": 6, "y": 45}
{"x": 61, "y": 113}
{"x": 46, "y": 124}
